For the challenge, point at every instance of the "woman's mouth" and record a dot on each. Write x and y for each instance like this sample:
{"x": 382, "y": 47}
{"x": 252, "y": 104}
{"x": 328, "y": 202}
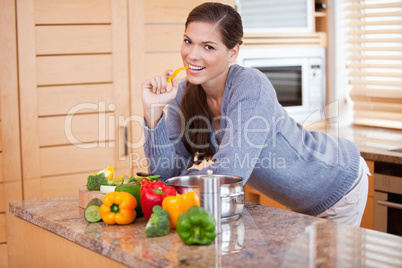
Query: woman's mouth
{"x": 196, "y": 68}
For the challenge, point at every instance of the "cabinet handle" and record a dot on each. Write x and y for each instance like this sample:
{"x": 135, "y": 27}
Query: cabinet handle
{"x": 389, "y": 204}
{"x": 125, "y": 140}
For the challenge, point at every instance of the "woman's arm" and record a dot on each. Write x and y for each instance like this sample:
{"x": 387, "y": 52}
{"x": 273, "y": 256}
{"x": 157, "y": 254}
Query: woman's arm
{"x": 166, "y": 154}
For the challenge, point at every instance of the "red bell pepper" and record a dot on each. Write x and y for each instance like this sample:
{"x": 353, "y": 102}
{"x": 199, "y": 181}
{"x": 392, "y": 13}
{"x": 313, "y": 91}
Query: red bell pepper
{"x": 152, "y": 194}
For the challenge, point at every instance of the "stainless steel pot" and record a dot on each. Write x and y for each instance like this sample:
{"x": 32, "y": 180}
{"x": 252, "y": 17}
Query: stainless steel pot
{"x": 232, "y": 193}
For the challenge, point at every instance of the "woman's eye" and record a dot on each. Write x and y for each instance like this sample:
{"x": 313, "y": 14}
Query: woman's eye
{"x": 207, "y": 47}
{"x": 187, "y": 41}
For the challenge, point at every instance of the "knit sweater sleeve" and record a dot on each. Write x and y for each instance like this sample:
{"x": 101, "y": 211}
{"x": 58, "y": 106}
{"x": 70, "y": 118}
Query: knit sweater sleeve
{"x": 164, "y": 151}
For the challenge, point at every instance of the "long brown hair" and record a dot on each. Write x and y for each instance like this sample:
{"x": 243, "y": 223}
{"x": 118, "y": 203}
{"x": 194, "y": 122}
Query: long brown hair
{"x": 194, "y": 103}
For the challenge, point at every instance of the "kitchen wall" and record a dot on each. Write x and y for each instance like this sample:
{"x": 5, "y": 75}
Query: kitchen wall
{"x": 337, "y": 80}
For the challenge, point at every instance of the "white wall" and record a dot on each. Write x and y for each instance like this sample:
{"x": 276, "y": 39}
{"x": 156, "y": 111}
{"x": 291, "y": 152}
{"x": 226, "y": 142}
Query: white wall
{"x": 339, "y": 95}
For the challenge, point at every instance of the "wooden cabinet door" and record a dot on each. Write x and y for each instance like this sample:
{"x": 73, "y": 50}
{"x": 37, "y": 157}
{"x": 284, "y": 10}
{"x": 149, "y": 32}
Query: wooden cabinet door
{"x": 74, "y": 92}
{"x": 10, "y": 161}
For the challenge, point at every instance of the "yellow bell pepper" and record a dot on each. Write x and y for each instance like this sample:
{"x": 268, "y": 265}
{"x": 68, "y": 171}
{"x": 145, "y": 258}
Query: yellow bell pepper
{"x": 118, "y": 207}
{"x": 175, "y": 205}
{"x": 117, "y": 179}
{"x": 108, "y": 171}
{"x": 177, "y": 72}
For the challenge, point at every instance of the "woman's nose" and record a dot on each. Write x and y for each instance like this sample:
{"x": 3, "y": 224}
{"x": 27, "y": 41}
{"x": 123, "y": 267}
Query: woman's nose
{"x": 194, "y": 53}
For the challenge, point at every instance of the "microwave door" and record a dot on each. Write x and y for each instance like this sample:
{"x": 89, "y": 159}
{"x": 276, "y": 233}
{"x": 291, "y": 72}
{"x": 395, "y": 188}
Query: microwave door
{"x": 287, "y": 81}
{"x": 289, "y": 78}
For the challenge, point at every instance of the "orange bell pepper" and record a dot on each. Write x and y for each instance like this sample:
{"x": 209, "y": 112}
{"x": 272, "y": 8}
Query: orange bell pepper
{"x": 175, "y": 205}
{"x": 118, "y": 207}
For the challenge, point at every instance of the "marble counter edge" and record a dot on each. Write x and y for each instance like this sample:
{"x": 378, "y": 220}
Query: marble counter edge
{"x": 381, "y": 157}
{"x": 295, "y": 223}
{"x": 16, "y": 208}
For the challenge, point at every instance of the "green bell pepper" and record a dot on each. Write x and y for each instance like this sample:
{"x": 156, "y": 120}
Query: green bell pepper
{"x": 196, "y": 226}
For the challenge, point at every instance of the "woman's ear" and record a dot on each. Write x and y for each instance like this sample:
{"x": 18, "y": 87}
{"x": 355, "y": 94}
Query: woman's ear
{"x": 234, "y": 52}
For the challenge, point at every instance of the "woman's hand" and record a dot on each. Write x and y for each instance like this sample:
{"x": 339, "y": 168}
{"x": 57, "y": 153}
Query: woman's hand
{"x": 155, "y": 97}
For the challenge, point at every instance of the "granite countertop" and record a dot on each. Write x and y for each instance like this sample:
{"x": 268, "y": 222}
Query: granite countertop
{"x": 260, "y": 236}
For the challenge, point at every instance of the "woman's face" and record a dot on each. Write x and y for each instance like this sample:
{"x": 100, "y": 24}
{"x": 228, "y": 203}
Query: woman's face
{"x": 206, "y": 54}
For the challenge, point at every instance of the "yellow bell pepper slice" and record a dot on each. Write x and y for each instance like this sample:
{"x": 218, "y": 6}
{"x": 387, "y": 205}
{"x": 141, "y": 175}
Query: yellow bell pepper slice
{"x": 117, "y": 179}
{"x": 108, "y": 171}
{"x": 177, "y": 72}
{"x": 118, "y": 207}
{"x": 175, "y": 205}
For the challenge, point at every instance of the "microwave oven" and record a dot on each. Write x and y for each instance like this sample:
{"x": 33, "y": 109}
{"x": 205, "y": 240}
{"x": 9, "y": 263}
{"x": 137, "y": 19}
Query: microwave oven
{"x": 298, "y": 76}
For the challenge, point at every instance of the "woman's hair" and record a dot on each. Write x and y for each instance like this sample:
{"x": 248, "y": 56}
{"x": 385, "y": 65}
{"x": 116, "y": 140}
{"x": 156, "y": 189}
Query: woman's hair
{"x": 225, "y": 17}
{"x": 194, "y": 103}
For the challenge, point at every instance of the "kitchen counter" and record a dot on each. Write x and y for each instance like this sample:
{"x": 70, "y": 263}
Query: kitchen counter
{"x": 260, "y": 236}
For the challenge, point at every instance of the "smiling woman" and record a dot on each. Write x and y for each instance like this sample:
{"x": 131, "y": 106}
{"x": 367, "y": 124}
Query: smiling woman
{"x": 231, "y": 115}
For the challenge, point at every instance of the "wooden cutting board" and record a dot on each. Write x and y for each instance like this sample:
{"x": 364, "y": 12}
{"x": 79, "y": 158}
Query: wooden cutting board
{"x": 84, "y": 196}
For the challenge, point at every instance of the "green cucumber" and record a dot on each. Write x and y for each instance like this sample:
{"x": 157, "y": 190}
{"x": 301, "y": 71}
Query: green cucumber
{"x": 91, "y": 212}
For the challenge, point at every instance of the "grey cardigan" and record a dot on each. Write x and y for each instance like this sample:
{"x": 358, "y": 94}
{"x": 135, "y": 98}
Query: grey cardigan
{"x": 307, "y": 171}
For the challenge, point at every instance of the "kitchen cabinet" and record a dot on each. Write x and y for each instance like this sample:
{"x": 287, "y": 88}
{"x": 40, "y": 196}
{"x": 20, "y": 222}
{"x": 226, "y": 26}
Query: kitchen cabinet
{"x": 59, "y": 248}
{"x": 64, "y": 100}
{"x": 10, "y": 161}
{"x": 74, "y": 85}
{"x": 253, "y": 195}
{"x": 319, "y": 36}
